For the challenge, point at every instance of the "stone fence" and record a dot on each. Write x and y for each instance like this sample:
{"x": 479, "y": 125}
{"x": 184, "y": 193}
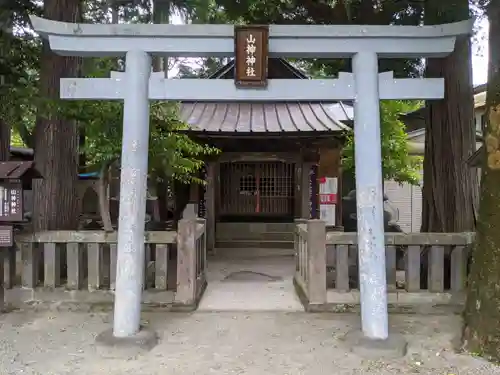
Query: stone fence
{"x": 433, "y": 271}
{"x": 79, "y": 267}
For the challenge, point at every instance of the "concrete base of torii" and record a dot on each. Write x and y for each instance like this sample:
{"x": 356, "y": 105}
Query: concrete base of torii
{"x": 111, "y": 346}
{"x": 395, "y": 346}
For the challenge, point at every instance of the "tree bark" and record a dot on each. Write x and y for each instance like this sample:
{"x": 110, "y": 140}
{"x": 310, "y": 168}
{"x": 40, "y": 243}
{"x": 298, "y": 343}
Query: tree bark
{"x": 161, "y": 14}
{"x": 450, "y": 186}
{"x": 56, "y": 139}
{"x": 482, "y": 311}
{"x": 4, "y": 140}
{"x": 6, "y": 18}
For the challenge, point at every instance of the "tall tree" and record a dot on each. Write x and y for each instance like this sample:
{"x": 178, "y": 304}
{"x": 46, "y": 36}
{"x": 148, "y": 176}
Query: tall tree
{"x": 482, "y": 312}
{"x": 18, "y": 55}
{"x": 6, "y": 20}
{"x": 56, "y": 139}
{"x": 450, "y": 188}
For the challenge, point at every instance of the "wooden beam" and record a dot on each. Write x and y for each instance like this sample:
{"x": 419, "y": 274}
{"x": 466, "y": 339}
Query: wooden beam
{"x": 290, "y": 157}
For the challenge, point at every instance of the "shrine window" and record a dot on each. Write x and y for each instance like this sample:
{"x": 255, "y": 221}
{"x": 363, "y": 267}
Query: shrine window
{"x": 248, "y": 185}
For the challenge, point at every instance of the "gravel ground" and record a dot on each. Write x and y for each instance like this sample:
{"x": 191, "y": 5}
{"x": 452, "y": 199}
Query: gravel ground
{"x": 226, "y": 343}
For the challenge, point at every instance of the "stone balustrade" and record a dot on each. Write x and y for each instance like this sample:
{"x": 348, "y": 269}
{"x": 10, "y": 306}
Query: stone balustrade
{"x": 434, "y": 271}
{"x": 80, "y": 267}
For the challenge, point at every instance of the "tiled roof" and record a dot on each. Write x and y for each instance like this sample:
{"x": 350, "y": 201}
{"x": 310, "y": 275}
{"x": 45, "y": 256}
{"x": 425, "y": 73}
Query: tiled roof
{"x": 15, "y": 170}
{"x": 265, "y": 117}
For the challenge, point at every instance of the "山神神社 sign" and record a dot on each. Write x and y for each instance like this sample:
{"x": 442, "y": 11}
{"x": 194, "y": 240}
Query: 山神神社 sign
{"x": 251, "y": 51}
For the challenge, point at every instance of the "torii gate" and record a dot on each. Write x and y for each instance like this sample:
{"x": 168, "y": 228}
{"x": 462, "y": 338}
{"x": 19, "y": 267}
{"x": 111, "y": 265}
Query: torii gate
{"x": 366, "y": 87}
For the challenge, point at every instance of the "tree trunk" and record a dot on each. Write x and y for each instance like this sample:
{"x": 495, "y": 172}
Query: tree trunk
{"x": 450, "y": 186}
{"x": 4, "y": 140}
{"x": 6, "y": 16}
{"x": 56, "y": 139}
{"x": 161, "y": 14}
{"x": 482, "y": 311}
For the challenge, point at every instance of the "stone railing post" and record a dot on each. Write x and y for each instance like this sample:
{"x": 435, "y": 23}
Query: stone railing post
{"x": 296, "y": 243}
{"x": 316, "y": 261}
{"x": 186, "y": 261}
{"x": 3, "y": 252}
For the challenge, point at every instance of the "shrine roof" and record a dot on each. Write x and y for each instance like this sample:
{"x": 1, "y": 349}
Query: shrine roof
{"x": 263, "y": 117}
{"x": 15, "y": 170}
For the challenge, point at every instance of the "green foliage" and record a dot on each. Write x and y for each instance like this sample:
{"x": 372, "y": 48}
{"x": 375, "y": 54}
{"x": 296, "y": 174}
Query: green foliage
{"x": 397, "y": 163}
{"x": 18, "y": 93}
{"x": 172, "y": 153}
{"x": 19, "y": 64}
{"x": 303, "y": 12}
{"x": 16, "y": 140}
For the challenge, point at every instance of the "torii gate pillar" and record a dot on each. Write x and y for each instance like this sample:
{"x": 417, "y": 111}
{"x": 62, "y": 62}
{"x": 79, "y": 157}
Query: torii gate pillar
{"x": 133, "y": 187}
{"x": 369, "y": 191}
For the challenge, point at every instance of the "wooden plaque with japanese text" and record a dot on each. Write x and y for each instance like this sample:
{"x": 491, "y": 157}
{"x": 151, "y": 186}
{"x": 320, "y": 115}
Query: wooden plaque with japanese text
{"x": 251, "y": 52}
{"x": 11, "y": 202}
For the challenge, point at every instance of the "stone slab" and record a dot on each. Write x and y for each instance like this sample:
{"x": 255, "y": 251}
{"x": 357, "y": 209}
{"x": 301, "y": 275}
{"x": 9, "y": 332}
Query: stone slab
{"x": 250, "y": 296}
{"x": 395, "y": 346}
{"x": 126, "y": 347}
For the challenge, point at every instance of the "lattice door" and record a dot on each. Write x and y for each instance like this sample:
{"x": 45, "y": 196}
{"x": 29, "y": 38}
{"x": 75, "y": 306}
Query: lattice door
{"x": 257, "y": 189}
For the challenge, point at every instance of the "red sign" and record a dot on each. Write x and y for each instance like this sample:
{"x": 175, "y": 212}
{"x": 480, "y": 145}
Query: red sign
{"x": 328, "y": 199}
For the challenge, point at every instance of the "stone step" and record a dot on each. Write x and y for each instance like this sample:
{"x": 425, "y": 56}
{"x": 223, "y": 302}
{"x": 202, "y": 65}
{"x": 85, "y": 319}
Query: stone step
{"x": 255, "y": 227}
{"x": 245, "y": 243}
{"x": 254, "y": 236}
{"x": 251, "y": 244}
{"x": 252, "y": 252}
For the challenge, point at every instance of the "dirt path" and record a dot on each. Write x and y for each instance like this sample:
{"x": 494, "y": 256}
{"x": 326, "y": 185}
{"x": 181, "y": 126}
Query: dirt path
{"x": 61, "y": 343}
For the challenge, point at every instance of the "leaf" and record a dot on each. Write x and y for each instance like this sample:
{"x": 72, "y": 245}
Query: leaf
{"x": 397, "y": 163}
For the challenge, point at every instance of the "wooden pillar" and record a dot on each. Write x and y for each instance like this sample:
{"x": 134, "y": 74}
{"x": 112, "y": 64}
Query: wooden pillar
{"x": 305, "y": 192}
{"x": 191, "y": 209}
{"x": 298, "y": 191}
{"x": 212, "y": 172}
{"x": 315, "y": 213}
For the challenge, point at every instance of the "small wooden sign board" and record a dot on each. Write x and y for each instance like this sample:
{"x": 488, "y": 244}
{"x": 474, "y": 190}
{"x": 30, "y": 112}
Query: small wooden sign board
{"x": 6, "y": 236}
{"x": 251, "y": 44}
{"x": 11, "y": 201}
{"x": 13, "y": 174}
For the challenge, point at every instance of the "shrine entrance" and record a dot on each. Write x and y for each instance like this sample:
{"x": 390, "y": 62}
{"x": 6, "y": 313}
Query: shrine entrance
{"x": 256, "y": 191}
{"x": 251, "y": 46}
